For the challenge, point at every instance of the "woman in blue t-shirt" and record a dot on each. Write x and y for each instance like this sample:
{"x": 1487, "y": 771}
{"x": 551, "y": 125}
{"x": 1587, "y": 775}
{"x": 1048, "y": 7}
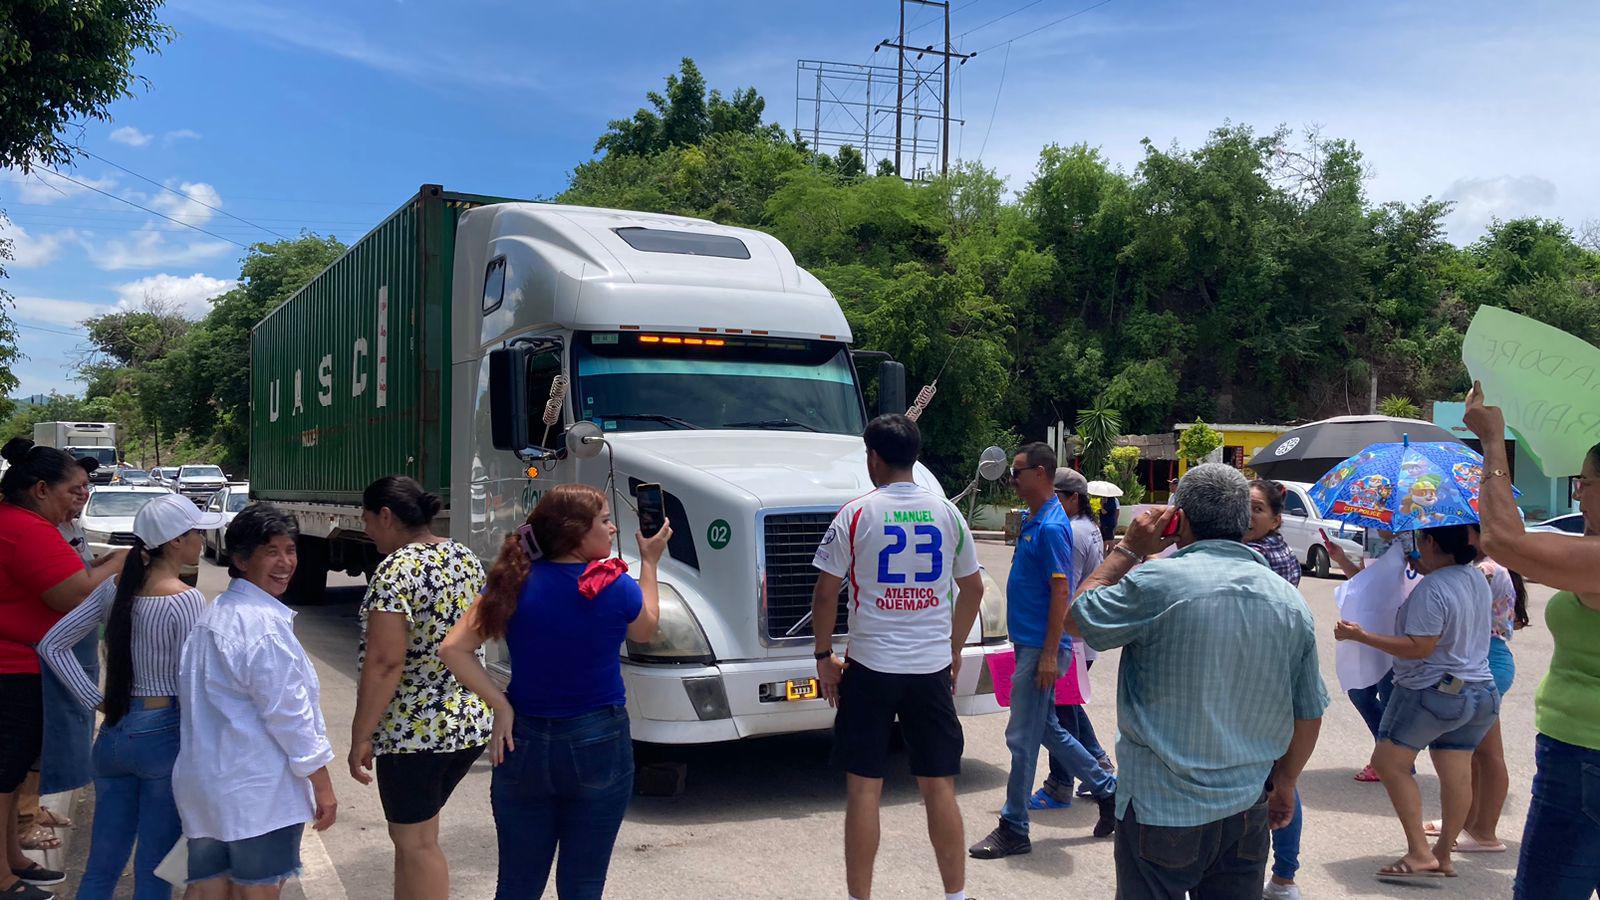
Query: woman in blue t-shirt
{"x": 561, "y": 749}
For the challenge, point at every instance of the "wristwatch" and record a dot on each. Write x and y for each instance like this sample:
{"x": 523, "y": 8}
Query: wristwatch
{"x": 822, "y": 654}
{"x": 1495, "y": 473}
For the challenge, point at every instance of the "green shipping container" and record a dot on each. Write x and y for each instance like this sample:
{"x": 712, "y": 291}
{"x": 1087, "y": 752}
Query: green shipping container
{"x": 350, "y": 376}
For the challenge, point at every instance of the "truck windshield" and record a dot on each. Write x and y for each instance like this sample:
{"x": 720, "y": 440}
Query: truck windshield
{"x": 105, "y": 456}
{"x": 662, "y": 382}
{"x": 200, "y": 472}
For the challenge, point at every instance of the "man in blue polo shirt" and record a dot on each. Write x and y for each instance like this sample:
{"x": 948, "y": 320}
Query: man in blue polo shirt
{"x": 1038, "y": 591}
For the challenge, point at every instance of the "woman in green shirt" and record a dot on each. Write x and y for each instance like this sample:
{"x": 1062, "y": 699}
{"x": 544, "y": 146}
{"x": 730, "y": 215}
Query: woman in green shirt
{"x": 1561, "y": 840}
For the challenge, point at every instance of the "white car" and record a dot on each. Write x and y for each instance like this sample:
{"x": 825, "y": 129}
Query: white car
{"x": 1571, "y": 523}
{"x": 1302, "y": 527}
{"x": 108, "y": 519}
{"x": 198, "y": 483}
{"x": 228, "y": 501}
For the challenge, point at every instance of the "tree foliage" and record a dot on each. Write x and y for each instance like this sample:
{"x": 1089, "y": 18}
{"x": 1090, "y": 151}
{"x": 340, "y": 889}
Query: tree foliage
{"x": 1198, "y": 441}
{"x": 1399, "y": 407}
{"x": 1247, "y": 279}
{"x": 1098, "y": 427}
{"x": 1122, "y": 471}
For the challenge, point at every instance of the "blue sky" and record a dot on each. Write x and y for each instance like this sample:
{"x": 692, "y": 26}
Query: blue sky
{"x": 327, "y": 115}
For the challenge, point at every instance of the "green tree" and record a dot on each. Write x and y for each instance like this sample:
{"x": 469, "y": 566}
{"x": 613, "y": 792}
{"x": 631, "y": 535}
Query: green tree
{"x": 685, "y": 116}
{"x": 1399, "y": 407}
{"x": 850, "y": 162}
{"x": 1198, "y": 442}
{"x": 61, "y": 63}
{"x": 1122, "y": 471}
{"x": 1098, "y": 427}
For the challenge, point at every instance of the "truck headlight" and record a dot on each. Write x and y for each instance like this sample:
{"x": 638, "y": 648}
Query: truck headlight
{"x": 679, "y": 639}
{"x": 992, "y": 612}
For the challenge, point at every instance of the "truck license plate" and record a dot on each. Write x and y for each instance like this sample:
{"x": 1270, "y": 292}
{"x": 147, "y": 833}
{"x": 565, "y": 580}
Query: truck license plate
{"x": 801, "y": 689}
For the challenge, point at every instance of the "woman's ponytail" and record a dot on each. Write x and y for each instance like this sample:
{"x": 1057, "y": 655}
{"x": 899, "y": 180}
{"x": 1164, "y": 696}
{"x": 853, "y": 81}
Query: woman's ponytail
{"x": 119, "y": 631}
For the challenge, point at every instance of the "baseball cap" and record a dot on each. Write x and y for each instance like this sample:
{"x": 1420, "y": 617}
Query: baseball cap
{"x": 170, "y": 516}
{"x": 1071, "y": 481}
{"x": 89, "y": 464}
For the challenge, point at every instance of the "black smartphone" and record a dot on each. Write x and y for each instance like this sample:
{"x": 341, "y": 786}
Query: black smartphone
{"x": 652, "y": 509}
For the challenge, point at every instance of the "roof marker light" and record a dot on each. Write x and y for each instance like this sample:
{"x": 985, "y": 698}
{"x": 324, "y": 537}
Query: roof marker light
{"x": 649, "y": 339}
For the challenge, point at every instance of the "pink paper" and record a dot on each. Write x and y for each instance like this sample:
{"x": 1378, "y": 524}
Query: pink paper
{"x": 1071, "y": 689}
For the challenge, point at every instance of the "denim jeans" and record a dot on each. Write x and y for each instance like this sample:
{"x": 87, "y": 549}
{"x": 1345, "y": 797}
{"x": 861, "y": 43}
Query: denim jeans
{"x": 66, "y": 759}
{"x": 564, "y": 788}
{"x": 1370, "y": 702}
{"x": 1286, "y": 844}
{"x": 133, "y": 801}
{"x": 1034, "y": 723}
{"x": 1075, "y": 719}
{"x": 1221, "y": 860}
{"x": 1561, "y": 839}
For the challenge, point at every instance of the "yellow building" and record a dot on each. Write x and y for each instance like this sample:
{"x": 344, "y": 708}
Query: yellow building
{"x": 1239, "y": 442}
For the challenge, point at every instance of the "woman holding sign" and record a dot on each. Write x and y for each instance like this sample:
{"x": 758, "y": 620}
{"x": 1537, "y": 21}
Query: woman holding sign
{"x": 1561, "y": 840}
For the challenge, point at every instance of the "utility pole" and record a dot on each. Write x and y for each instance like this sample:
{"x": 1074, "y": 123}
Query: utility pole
{"x": 945, "y": 55}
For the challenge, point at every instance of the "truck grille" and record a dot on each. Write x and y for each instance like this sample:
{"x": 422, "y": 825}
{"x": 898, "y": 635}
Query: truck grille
{"x": 791, "y": 542}
{"x": 121, "y": 539}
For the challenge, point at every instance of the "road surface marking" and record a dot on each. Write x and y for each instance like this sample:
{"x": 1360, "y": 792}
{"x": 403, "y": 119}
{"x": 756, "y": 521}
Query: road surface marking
{"x": 319, "y": 880}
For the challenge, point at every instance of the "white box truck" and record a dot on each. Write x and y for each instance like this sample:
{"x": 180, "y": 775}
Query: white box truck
{"x": 96, "y": 440}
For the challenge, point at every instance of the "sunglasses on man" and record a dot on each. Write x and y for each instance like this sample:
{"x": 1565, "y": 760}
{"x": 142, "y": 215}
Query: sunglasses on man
{"x": 1016, "y": 473}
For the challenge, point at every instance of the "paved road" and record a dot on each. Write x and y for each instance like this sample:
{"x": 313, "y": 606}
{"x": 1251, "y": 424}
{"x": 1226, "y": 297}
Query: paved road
{"x": 762, "y": 819}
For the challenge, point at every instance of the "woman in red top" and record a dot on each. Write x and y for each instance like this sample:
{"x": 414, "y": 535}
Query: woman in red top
{"x": 41, "y": 579}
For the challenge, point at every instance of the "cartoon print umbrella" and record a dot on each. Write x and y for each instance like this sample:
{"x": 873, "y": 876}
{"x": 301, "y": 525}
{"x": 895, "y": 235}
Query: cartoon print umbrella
{"x": 1404, "y": 486}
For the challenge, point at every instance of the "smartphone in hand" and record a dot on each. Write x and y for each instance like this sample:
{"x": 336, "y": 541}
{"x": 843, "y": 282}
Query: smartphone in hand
{"x": 652, "y": 509}
{"x": 1325, "y": 539}
{"x": 1173, "y": 524}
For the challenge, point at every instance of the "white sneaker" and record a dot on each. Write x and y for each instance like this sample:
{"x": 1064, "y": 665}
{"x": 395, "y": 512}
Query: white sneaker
{"x": 1280, "y": 892}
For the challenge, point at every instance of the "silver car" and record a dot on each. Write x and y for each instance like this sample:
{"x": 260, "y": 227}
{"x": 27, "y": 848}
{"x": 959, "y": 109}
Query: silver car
{"x": 228, "y": 501}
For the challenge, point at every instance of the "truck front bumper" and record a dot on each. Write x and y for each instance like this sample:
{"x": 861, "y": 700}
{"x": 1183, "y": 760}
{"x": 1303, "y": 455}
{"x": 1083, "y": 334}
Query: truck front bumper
{"x": 729, "y": 700}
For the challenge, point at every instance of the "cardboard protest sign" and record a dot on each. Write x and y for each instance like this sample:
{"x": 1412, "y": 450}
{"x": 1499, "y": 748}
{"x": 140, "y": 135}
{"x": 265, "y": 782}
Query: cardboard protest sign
{"x": 1546, "y": 381}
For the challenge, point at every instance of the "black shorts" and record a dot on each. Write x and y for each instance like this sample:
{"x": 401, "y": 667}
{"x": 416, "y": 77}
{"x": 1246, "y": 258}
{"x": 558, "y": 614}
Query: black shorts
{"x": 413, "y": 787}
{"x": 869, "y": 702}
{"x": 21, "y": 728}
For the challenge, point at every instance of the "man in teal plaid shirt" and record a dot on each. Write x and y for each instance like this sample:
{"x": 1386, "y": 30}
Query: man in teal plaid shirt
{"x": 1219, "y": 698}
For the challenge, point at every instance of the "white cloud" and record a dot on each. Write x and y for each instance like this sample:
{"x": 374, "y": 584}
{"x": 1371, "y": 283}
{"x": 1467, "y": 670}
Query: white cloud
{"x": 150, "y": 249}
{"x": 195, "y": 211}
{"x": 57, "y": 313}
{"x": 40, "y": 186}
{"x": 32, "y": 251}
{"x": 182, "y": 134}
{"x": 1478, "y": 201}
{"x": 131, "y": 136}
{"x": 191, "y": 293}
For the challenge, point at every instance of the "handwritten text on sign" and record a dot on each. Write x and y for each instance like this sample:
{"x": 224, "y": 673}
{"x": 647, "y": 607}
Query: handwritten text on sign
{"x": 1547, "y": 381}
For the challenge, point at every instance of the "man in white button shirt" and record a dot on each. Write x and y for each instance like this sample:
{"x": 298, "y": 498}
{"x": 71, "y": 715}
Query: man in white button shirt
{"x": 914, "y": 594}
{"x": 252, "y": 768}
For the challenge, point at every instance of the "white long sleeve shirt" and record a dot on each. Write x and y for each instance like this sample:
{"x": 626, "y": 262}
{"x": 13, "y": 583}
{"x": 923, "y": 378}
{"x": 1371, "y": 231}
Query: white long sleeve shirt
{"x": 252, "y": 730}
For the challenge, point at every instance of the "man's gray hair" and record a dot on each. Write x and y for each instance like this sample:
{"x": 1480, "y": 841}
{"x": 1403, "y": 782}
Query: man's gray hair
{"x": 1215, "y": 498}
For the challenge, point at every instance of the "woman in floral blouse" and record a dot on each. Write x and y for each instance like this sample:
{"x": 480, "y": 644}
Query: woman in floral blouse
{"x": 425, "y": 729}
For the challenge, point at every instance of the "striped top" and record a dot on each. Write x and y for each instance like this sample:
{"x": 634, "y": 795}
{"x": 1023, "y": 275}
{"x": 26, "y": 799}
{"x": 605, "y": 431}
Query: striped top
{"x": 160, "y": 625}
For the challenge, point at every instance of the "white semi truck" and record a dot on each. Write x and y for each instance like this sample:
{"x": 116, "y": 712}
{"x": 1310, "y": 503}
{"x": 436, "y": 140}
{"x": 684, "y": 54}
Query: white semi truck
{"x": 561, "y": 344}
{"x": 93, "y": 440}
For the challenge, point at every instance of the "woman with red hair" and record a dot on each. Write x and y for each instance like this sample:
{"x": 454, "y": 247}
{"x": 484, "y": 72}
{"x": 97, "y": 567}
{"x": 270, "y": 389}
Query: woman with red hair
{"x": 561, "y": 749}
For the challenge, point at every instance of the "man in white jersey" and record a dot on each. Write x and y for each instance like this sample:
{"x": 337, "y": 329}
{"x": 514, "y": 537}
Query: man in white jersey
{"x": 914, "y": 593}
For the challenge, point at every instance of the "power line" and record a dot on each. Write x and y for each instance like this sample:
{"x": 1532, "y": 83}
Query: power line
{"x": 145, "y": 208}
{"x": 999, "y": 18}
{"x": 50, "y": 330}
{"x": 932, "y": 21}
{"x": 1003, "y": 66}
{"x": 183, "y": 195}
{"x": 1049, "y": 24}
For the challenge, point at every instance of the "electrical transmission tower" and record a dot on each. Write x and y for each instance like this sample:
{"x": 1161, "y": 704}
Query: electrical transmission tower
{"x": 883, "y": 110}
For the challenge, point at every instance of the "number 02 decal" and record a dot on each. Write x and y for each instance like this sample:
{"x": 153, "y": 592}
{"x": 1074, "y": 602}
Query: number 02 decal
{"x": 932, "y": 547}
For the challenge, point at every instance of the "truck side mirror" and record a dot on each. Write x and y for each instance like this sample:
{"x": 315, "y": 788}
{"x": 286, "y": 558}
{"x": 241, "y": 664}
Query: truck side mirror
{"x": 891, "y": 387}
{"x": 508, "y": 398}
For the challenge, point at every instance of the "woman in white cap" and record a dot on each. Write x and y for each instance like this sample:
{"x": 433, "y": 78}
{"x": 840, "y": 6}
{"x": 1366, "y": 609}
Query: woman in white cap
{"x": 147, "y": 612}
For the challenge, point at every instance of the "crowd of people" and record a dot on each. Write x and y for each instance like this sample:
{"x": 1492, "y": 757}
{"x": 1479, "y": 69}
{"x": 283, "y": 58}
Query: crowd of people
{"x": 212, "y": 754}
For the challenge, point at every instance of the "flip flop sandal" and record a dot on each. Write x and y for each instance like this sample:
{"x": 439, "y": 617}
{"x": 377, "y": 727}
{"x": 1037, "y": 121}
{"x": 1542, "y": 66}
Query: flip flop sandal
{"x": 1367, "y": 775}
{"x": 51, "y": 819}
{"x": 1432, "y": 827}
{"x": 1466, "y": 843}
{"x": 1402, "y": 869}
{"x": 39, "y": 838}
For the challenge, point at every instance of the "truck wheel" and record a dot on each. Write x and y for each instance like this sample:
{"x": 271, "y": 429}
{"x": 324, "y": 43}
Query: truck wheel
{"x": 309, "y": 586}
{"x": 1319, "y": 562}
